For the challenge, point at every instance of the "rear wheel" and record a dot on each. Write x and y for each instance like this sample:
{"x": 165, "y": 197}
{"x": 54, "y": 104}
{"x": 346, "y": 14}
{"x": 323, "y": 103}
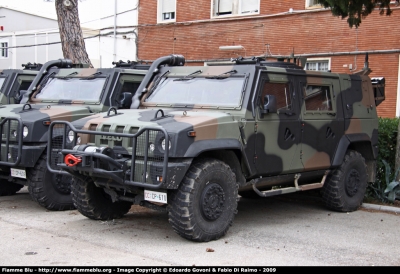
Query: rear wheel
{"x": 346, "y": 186}
{"x": 9, "y": 188}
{"x": 203, "y": 207}
{"x": 48, "y": 189}
{"x": 92, "y": 202}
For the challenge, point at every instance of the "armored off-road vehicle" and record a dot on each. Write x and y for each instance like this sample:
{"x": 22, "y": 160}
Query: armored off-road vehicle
{"x": 203, "y": 134}
{"x": 12, "y": 81}
{"x": 60, "y": 91}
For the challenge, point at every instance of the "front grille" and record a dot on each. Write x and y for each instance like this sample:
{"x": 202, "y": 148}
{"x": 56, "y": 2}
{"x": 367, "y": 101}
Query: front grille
{"x": 11, "y": 141}
{"x": 141, "y": 153}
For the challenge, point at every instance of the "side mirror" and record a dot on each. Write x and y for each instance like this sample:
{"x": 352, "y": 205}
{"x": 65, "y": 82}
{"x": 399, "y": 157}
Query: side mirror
{"x": 269, "y": 104}
{"x": 126, "y": 100}
{"x": 19, "y": 95}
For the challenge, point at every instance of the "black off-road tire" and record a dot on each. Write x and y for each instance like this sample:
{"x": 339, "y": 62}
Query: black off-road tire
{"x": 203, "y": 207}
{"x": 9, "y": 188}
{"x": 345, "y": 187}
{"x": 92, "y": 202}
{"x": 48, "y": 189}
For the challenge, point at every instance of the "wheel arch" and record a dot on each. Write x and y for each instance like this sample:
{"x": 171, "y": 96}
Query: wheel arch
{"x": 232, "y": 157}
{"x": 362, "y": 144}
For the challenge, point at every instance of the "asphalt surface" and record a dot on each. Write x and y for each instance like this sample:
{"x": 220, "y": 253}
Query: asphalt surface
{"x": 287, "y": 230}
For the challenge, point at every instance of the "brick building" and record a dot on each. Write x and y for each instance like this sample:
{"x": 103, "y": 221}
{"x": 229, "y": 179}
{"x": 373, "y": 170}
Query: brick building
{"x": 201, "y": 31}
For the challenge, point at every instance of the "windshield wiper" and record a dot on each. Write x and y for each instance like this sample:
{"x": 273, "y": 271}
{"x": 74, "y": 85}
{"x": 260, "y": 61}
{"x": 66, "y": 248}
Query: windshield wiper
{"x": 66, "y": 76}
{"x": 90, "y": 77}
{"x": 187, "y": 78}
{"x": 222, "y": 75}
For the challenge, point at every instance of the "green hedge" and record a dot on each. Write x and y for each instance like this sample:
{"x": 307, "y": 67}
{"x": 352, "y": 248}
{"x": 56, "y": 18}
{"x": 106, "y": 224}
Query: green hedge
{"x": 387, "y": 151}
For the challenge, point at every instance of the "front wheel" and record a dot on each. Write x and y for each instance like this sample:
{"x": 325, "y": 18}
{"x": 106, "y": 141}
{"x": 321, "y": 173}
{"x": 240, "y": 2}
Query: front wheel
{"x": 345, "y": 188}
{"x": 203, "y": 207}
{"x": 50, "y": 190}
{"x": 94, "y": 203}
{"x": 9, "y": 188}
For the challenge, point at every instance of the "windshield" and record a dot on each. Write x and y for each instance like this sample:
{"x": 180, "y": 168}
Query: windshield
{"x": 198, "y": 91}
{"x": 1, "y": 82}
{"x": 72, "y": 89}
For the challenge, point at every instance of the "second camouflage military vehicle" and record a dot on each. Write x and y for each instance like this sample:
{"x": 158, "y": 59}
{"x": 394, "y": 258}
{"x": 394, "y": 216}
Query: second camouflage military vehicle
{"x": 203, "y": 134}
{"x": 12, "y": 81}
{"x": 60, "y": 91}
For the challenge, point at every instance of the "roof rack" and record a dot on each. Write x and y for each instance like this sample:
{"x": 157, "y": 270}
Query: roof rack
{"x": 130, "y": 64}
{"x": 30, "y": 66}
{"x": 262, "y": 62}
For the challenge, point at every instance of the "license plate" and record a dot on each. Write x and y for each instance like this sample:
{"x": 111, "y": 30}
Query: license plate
{"x": 154, "y": 196}
{"x": 20, "y": 173}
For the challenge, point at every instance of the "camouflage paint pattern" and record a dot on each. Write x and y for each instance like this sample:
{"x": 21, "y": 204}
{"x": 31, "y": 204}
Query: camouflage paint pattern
{"x": 37, "y": 114}
{"x": 14, "y": 81}
{"x": 291, "y": 140}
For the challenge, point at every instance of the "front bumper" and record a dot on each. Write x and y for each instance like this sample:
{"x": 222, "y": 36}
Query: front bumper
{"x": 135, "y": 161}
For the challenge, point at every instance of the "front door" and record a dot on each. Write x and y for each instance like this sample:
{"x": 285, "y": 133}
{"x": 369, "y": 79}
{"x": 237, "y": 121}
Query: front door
{"x": 275, "y": 134}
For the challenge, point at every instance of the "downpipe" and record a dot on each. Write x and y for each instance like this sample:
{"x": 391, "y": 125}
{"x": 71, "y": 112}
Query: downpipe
{"x": 61, "y": 63}
{"x": 170, "y": 60}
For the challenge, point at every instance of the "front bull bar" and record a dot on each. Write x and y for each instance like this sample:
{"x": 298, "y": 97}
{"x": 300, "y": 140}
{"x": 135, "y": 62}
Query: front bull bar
{"x": 120, "y": 165}
{"x": 6, "y": 130}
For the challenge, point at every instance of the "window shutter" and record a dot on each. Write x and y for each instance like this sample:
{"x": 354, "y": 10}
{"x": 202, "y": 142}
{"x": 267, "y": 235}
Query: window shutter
{"x": 168, "y": 6}
{"x": 249, "y": 6}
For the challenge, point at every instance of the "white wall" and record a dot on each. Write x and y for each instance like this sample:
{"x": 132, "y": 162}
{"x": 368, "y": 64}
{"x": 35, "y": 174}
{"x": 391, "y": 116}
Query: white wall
{"x": 94, "y": 16}
{"x": 110, "y": 48}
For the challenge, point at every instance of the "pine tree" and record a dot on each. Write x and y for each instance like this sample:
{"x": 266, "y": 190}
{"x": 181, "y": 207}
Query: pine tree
{"x": 73, "y": 45}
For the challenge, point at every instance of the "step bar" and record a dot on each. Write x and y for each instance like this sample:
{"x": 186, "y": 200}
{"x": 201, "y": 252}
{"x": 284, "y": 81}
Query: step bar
{"x": 296, "y": 188}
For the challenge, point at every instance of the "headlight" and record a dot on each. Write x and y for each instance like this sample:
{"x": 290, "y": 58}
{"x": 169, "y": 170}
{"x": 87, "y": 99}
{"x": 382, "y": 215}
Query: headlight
{"x": 25, "y": 131}
{"x": 163, "y": 144}
{"x": 78, "y": 141}
{"x": 152, "y": 147}
{"x": 71, "y": 136}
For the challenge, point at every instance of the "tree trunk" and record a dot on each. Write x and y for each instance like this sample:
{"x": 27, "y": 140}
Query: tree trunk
{"x": 73, "y": 45}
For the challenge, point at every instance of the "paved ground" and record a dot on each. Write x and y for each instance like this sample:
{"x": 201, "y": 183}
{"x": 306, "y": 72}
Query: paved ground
{"x": 289, "y": 230}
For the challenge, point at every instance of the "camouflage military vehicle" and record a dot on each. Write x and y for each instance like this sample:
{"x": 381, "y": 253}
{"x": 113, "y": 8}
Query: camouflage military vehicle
{"x": 12, "y": 81}
{"x": 204, "y": 133}
{"x": 61, "y": 91}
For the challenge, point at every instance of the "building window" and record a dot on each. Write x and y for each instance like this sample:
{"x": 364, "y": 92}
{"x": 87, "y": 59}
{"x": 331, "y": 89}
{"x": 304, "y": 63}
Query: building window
{"x": 4, "y": 49}
{"x": 166, "y": 11}
{"x": 235, "y": 7}
{"x": 318, "y": 64}
{"x": 312, "y": 4}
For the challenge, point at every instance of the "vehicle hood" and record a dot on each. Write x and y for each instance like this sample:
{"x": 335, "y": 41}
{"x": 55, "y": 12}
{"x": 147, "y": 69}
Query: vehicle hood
{"x": 34, "y": 113}
{"x": 206, "y": 124}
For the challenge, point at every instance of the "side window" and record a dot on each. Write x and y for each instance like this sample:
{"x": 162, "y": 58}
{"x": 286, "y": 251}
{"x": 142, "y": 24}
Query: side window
{"x": 125, "y": 91}
{"x": 130, "y": 87}
{"x": 281, "y": 91}
{"x": 235, "y": 7}
{"x": 25, "y": 85}
{"x": 317, "y": 98}
{"x": 166, "y": 11}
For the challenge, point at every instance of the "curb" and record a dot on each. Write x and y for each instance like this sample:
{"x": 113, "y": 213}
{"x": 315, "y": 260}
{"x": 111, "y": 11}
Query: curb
{"x": 381, "y": 207}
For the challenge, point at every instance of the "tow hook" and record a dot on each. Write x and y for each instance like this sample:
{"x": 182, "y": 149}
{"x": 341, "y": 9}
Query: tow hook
{"x": 71, "y": 160}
